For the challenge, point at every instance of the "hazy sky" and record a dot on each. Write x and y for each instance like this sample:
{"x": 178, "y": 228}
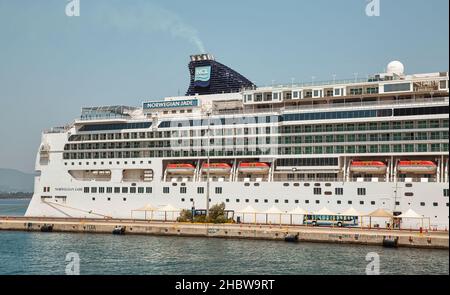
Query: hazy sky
{"x": 124, "y": 52}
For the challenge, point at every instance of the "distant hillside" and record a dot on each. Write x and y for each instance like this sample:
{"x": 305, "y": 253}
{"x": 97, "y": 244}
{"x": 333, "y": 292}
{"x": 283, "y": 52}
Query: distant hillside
{"x": 12, "y": 181}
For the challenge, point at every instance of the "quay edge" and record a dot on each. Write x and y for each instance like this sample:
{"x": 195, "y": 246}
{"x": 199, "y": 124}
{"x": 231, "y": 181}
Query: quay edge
{"x": 410, "y": 239}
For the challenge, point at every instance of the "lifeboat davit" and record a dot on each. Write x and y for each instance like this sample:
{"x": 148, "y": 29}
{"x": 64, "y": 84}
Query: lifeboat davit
{"x": 180, "y": 168}
{"x": 417, "y": 167}
{"x": 216, "y": 168}
{"x": 254, "y": 168}
{"x": 369, "y": 167}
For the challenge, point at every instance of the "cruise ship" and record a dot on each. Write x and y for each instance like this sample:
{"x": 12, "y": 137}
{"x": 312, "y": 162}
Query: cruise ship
{"x": 361, "y": 144}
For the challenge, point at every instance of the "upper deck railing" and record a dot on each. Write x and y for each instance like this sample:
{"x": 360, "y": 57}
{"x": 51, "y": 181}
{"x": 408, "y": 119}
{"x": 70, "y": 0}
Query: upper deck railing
{"x": 287, "y": 109}
{"x": 106, "y": 112}
{"x": 300, "y": 108}
{"x": 341, "y": 82}
{"x": 313, "y": 84}
{"x": 59, "y": 129}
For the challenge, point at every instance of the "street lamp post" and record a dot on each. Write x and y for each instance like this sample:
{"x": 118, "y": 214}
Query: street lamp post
{"x": 209, "y": 168}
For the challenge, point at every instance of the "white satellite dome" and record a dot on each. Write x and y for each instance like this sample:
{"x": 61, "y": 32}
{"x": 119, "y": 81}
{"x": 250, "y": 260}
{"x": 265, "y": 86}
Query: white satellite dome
{"x": 395, "y": 67}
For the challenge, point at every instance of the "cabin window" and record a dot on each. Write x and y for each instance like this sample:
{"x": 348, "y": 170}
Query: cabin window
{"x": 183, "y": 190}
{"x": 218, "y": 190}
{"x": 339, "y": 191}
{"x": 361, "y": 191}
{"x": 166, "y": 190}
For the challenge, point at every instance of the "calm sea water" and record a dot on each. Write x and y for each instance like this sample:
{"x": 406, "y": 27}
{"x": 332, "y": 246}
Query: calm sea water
{"x": 45, "y": 253}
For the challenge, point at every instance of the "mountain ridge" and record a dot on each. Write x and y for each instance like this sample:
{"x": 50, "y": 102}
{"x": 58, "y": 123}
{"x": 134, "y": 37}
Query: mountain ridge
{"x": 13, "y": 181}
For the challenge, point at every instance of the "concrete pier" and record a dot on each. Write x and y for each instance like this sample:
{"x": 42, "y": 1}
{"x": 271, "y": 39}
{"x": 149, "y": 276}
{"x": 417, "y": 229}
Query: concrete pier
{"x": 405, "y": 238}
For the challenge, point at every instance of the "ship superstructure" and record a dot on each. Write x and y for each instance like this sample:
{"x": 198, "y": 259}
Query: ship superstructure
{"x": 380, "y": 142}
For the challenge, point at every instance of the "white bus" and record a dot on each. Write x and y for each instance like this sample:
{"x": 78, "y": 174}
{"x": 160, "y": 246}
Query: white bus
{"x": 330, "y": 220}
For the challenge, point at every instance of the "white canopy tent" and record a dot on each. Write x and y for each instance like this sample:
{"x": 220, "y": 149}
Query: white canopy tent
{"x": 169, "y": 209}
{"x": 273, "y": 211}
{"x": 297, "y": 212}
{"x": 411, "y": 214}
{"x": 352, "y": 212}
{"x": 380, "y": 213}
{"x": 248, "y": 210}
{"x": 145, "y": 209}
{"x": 324, "y": 211}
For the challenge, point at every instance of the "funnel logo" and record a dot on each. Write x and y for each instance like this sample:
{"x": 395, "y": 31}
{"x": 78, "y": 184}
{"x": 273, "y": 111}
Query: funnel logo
{"x": 202, "y": 76}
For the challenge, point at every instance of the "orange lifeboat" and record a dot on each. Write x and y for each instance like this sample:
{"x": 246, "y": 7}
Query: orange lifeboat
{"x": 254, "y": 168}
{"x": 180, "y": 168}
{"x": 417, "y": 167}
{"x": 216, "y": 168}
{"x": 370, "y": 167}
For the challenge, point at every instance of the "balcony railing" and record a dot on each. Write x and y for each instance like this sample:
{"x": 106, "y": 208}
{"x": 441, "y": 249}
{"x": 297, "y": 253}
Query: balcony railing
{"x": 301, "y": 108}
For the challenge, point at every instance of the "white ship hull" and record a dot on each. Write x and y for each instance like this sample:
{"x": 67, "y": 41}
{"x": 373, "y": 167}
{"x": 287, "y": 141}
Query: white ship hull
{"x": 260, "y": 195}
{"x": 111, "y": 162}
